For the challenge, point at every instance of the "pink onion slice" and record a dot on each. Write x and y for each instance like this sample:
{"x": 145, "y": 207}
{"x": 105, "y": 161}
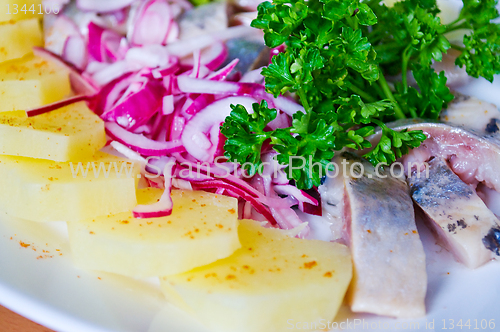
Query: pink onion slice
{"x": 216, "y": 184}
{"x": 300, "y": 195}
{"x": 222, "y": 73}
{"x": 75, "y": 51}
{"x": 104, "y": 44}
{"x": 164, "y": 206}
{"x": 55, "y": 105}
{"x": 194, "y": 136}
{"x": 140, "y": 143}
{"x": 152, "y": 23}
{"x": 136, "y": 108}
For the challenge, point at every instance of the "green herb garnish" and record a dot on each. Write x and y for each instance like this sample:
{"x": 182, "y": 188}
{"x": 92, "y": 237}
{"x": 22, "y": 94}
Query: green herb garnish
{"x": 337, "y": 57}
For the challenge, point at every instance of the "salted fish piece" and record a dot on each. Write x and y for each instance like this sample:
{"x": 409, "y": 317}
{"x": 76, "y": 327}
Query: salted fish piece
{"x": 456, "y": 213}
{"x": 472, "y": 113}
{"x": 379, "y": 226}
{"x": 472, "y": 155}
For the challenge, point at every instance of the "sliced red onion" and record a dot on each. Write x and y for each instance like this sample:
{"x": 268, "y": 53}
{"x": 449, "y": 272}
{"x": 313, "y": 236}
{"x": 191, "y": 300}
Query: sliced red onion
{"x": 79, "y": 82}
{"x": 188, "y": 84}
{"x": 56, "y": 105}
{"x": 215, "y": 184}
{"x": 211, "y": 57}
{"x": 176, "y": 127}
{"x": 195, "y": 73}
{"x": 114, "y": 71}
{"x": 75, "y": 51}
{"x": 151, "y": 24}
{"x": 151, "y": 56}
{"x": 222, "y": 73}
{"x": 300, "y": 195}
{"x": 102, "y": 6}
{"x": 155, "y": 165}
{"x": 128, "y": 153}
{"x": 314, "y": 209}
{"x": 173, "y": 33}
{"x": 182, "y": 184}
{"x": 141, "y": 144}
{"x": 58, "y": 31}
{"x": 282, "y": 120}
{"x": 164, "y": 206}
{"x": 200, "y": 103}
{"x": 167, "y": 105}
{"x": 194, "y": 136}
{"x": 136, "y": 108}
{"x": 253, "y": 76}
{"x": 104, "y": 44}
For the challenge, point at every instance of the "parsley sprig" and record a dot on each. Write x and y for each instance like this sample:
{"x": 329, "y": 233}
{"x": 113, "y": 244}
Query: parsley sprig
{"x": 337, "y": 56}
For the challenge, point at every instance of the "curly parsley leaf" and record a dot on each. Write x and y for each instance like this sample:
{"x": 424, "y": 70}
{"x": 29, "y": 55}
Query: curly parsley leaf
{"x": 246, "y": 133}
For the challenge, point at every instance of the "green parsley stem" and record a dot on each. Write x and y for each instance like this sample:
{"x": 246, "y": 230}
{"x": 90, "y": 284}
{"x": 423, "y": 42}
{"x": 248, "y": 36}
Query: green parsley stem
{"x": 361, "y": 93}
{"x": 303, "y": 98}
{"x": 458, "y": 48}
{"x": 388, "y": 93}
{"x": 404, "y": 72}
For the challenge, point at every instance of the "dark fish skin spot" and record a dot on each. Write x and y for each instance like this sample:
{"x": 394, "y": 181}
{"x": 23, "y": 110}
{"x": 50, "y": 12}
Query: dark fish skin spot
{"x": 461, "y": 223}
{"x": 492, "y": 126}
{"x": 477, "y": 218}
{"x": 452, "y": 227}
{"x": 323, "y": 179}
{"x": 450, "y": 217}
{"x": 492, "y": 240}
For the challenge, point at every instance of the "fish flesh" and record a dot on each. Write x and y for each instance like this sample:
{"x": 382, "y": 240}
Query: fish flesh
{"x": 473, "y": 156}
{"x": 379, "y": 226}
{"x": 472, "y": 113}
{"x": 457, "y": 215}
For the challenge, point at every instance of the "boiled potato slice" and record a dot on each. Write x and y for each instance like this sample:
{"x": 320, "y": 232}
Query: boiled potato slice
{"x": 202, "y": 228}
{"x": 15, "y": 10}
{"x": 44, "y": 190}
{"x": 72, "y": 132}
{"x": 31, "y": 82}
{"x": 269, "y": 284}
{"x": 18, "y": 38}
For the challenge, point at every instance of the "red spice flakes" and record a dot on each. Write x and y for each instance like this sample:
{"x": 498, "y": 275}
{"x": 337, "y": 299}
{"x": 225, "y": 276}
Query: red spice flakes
{"x": 414, "y": 232}
{"x": 202, "y": 205}
{"x": 327, "y": 274}
{"x": 91, "y": 232}
{"x": 232, "y": 211}
{"x": 230, "y": 277}
{"x": 310, "y": 265}
{"x": 24, "y": 245}
{"x": 369, "y": 231}
{"x": 124, "y": 221}
{"x": 99, "y": 278}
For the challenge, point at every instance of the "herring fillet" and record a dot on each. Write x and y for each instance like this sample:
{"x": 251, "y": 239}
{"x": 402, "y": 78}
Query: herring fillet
{"x": 388, "y": 257}
{"x": 456, "y": 213}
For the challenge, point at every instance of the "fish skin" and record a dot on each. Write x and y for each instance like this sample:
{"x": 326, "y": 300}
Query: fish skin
{"x": 456, "y": 213}
{"x": 379, "y": 225}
